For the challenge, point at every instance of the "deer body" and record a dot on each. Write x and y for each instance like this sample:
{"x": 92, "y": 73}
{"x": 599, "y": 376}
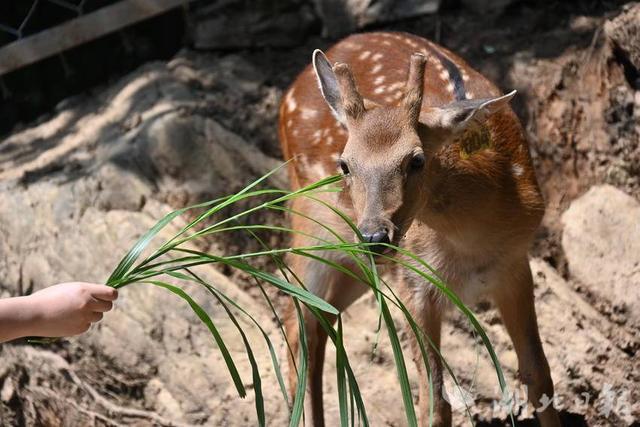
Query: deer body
{"x": 436, "y": 162}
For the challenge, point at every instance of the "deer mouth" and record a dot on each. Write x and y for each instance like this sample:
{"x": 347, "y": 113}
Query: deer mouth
{"x": 386, "y": 252}
{"x": 383, "y": 253}
{"x": 382, "y": 242}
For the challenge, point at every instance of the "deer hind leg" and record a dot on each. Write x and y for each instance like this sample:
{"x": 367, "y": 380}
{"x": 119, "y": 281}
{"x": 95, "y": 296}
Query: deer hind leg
{"x": 338, "y": 290}
{"x": 516, "y": 305}
{"x": 427, "y": 313}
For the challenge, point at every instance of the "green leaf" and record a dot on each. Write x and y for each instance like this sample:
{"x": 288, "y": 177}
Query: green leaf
{"x": 257, "y": 380}
{"x": 204, "y": 317}
{"x": 298, "y": 401}
{"x": 341, "y": 379}
{"x": 142, "y": 243}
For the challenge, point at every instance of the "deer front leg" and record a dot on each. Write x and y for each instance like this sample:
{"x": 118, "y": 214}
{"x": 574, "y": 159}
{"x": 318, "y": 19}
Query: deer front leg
{"x": 516, "y": 305}
{"x": 338, "y": 290}
{"x": 428, "y": 316}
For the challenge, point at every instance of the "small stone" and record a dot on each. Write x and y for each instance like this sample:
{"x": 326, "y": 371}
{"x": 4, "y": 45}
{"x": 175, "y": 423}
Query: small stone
{"x": 8, "y": 390}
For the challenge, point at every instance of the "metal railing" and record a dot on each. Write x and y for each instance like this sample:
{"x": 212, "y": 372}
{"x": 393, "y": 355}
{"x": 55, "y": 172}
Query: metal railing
{"x": 22, "y": 30}
{"x": 88, "y": 20}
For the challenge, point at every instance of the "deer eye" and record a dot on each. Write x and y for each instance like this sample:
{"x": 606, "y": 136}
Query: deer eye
{"x": 417, "y": 162}
{"x": 343, "y": 166}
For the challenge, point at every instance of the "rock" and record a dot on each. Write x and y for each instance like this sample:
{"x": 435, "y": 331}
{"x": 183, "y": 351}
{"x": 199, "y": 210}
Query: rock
{"x": 8, "y": 390}
{"x": 579, "y": 342}
{"x": 624, "y": 33}
{"x": 601, "y": 240}
{"x": 151, "y": 337}
{"x": 487, "y": 6}
{"x": 201, "y": 157}
{"x": 235, "y": 24}
{"x": 120, "y": 188}
{"x": 77, "y": 190}
{"x": 342, "y": 17}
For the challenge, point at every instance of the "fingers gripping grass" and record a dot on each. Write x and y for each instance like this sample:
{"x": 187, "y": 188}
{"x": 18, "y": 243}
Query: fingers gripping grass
{"x": 172, "y": 259}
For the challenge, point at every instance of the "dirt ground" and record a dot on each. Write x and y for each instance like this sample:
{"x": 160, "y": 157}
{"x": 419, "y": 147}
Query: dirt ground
{"x": 80, "y": 184}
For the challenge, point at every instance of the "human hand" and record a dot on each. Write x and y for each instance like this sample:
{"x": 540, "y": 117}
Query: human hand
{"x": 67, "y": 309}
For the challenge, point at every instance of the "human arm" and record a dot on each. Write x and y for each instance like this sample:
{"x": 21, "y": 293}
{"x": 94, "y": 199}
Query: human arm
{"x": 61, "y": 310}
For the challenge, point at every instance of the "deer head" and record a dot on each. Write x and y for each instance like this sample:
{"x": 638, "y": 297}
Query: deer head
{"x": 388, "y": 150}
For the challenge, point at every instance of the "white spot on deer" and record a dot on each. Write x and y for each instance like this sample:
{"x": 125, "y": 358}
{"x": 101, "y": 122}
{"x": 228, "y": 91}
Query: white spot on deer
{"x": 450, "y": 87}
{"x": 335, "y": 157}
{"x": 313, "y": 171}
{"x": 376, "y": 68}
{"x": 377, "y": 57}
{"x": 352, "y": 45}
{"x": 364, "y": 55}
{"x": 289, "y": 123}
{"x": 296, "y": 132}
{"x": 317, "y": 137}
{"x": 395, "y": 86}
{"x": 397, "y": 95}
{"x": 318, "y": 171}
{"x": 517, "y": 170}
{"x": 444, "y": 75}
{"x": 389, "y": 99}
{"x": 379, "y": 80}
{"x": 330, "y": 140}
{"x": 386, "y": 43}
{"x": 308, "y": 113}
{"x": 463, "y": 73}
{"x": 290, "y": 102}
{"x": 411, "y": 42}
{"x": 470, "y": 95}
{"x": 379, "y": 90}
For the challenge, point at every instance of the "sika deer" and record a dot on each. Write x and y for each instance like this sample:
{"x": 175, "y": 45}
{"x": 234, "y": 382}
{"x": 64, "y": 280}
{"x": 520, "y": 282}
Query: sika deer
{"x": 434, "y": 160}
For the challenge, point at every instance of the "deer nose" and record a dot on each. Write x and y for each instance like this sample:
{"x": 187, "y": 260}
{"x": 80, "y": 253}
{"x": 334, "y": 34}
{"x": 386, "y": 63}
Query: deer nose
{"x": 379, "y": 236}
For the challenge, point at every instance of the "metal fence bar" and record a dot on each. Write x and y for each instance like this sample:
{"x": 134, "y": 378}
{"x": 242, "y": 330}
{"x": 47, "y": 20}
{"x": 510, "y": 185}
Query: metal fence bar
{"x": 80, "y": 30}
{"x": 27, "y": 18}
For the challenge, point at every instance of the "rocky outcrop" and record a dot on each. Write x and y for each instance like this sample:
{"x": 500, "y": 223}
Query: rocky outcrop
{"x": 77, "y": 191}
{"x": 624, "y": 32}
{"x": 601, "y": 241}
{"x": 233, "y": 24}
{"x": 343, "y": 17}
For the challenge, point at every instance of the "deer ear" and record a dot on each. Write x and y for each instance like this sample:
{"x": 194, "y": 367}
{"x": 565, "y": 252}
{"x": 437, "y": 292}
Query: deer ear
{"x": 328, "y": 83}
{"x": 461, "y": 115}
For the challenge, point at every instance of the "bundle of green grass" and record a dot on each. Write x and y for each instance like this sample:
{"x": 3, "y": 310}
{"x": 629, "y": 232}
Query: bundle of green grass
{"x": 174, "y": 260}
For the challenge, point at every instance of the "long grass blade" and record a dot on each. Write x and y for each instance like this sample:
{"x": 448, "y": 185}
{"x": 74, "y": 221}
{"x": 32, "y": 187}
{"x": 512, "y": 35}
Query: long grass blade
{"x": 255, "y": 371}
{"x": 131, "y": 256}
{"x": 341, "y": 379}
{"x": 298, "y": 401}
{"x": 204, "y": 317}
